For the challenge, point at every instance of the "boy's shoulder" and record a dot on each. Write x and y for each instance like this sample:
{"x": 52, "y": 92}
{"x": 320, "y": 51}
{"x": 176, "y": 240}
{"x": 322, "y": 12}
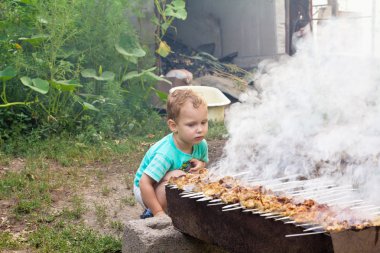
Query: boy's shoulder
{"x": 163, "y": 145}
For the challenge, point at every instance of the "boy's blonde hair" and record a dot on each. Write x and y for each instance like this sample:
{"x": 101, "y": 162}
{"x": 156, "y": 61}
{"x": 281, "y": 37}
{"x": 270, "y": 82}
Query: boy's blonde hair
{"x": 178, "y": 98}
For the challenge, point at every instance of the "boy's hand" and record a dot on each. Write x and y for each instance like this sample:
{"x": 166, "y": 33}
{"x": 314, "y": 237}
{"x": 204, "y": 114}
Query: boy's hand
{"x": 196, "y": 165}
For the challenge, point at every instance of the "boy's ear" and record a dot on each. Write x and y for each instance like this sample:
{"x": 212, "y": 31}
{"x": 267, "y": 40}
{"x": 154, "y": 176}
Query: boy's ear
{"x": 172, "y": 125}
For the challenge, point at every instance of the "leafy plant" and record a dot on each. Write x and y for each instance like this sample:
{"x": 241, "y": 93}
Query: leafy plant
{"x": 167, "y": 12}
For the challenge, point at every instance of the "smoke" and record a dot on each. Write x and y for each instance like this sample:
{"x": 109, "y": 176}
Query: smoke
{"x": 316, "y": 114}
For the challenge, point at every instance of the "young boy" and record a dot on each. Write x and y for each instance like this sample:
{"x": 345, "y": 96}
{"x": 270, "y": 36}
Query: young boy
{"x": 185, "y": 149}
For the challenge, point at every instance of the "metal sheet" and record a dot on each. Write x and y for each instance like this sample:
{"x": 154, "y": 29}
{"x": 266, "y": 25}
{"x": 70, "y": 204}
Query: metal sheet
{"x": 351, "y": 241}
{"x": 238, "y": 231}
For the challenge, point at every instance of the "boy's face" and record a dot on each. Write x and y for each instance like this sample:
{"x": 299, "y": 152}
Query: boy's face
{"x": 192, "y": 124}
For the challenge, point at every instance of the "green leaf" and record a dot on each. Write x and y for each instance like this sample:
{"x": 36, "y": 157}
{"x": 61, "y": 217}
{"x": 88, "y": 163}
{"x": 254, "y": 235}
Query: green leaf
{"x": 135, "y": 74}
{"x": 8, "y": 73}
{"x": 129, "y": 47}
{"x": 65, "y": 85}
{"x": 31, "y": 2}
{"x": 37, "y": 84}
{"x": 179, "y": 4}
{"x": 163, "y": 96}
{"x": 88, "y": 73}
{"x": 105, "y": 76}
{"x": 176, "y": 9}
{"x": 155, "y": 20}
{"x": 35, "y": 40}
{"x": 158, "y": 78}
{"x": 131, "y": 75}
{"x": 87, "y": 106}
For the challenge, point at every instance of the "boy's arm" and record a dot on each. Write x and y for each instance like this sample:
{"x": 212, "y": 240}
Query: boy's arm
{"x": 148, "y": 194}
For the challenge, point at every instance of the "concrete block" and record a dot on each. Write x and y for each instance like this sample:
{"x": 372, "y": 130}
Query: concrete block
{"x": 157, "y": 234}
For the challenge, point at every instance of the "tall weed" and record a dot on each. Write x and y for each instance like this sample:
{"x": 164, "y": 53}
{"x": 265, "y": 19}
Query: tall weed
{"x": 55, "y": 41}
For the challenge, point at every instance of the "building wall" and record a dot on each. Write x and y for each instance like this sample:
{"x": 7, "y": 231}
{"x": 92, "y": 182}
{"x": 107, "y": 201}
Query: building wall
{"x": 253, "y": 28}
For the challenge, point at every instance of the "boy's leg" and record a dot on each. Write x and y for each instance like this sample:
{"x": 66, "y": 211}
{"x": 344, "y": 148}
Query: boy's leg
{"x": 160, "y": 189}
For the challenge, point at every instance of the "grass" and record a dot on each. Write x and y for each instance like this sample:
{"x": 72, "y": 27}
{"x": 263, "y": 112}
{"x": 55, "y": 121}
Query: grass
{"x": 31, "y": 190}
{"x": 130, "y": 201}
{"x": 72, "y": 238}
{"x": 58, "y": 168}
{"x": 217, "y": 131}
{"x": 8, "y": 242}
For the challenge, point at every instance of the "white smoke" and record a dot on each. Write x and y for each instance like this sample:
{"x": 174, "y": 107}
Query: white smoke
{"x": 316, "y": 114}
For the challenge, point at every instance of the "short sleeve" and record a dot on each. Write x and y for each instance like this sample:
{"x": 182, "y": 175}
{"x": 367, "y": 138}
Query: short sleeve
{"x": 158, "y": 167}
{"x": 204, "y": 151}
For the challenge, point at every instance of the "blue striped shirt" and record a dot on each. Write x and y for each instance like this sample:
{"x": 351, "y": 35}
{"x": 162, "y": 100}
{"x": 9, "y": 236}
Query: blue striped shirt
{"x": 164, "y": 156}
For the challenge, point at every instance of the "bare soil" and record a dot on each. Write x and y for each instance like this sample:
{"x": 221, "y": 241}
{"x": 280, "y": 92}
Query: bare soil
{"x": 105, "y": 192}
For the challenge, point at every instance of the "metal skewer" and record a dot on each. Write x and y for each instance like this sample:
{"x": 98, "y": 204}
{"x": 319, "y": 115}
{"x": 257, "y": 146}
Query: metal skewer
{"x": 204, "y": 199}
{"x": 265, "y": 182}
{"x": 303, "y": 234}
{"x": 215, "y": 204}
{"x": 268, "y": 214}
{"x": 215, "y": 200}
{"x": 192, "y": 195}
{"x": 197, "y": 196}
{"x": 284, "y": 218}
{"x": 250, "y": 210}
{"x": 274, "y": 216}
{"x": 233, "y": 208}
{"x": 232, "y": 205}
{"x": 361, "y": 207}
{"x": 313, "y": 228}
{"x": 186, "y": 192}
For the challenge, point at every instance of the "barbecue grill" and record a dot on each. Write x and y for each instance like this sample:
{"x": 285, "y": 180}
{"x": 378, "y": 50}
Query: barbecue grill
{"x": 237, "y": 229}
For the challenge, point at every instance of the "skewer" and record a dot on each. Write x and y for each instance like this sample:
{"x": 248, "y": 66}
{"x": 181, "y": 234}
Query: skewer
{"x": 204, "y": 199}
{"x": 333, "y": 201}
{"x": 233, "y": 208}
{"x": 322, "y": 192}
{"x": 290, "y": 222}
{"x": 173, "y": 187}
{"x": 303, "y": 234}
{"x": 268, "y": 214}
{"x": 232, "y": 205}
{"x": 284, "y": 218}
{"x": 361, "y": 207}
{"x": 250, "y": 210}
{"x": 373, "y": 208}
{"x": 215, "y": 200}
{"x": 215, "y": 204}
{"x": 283, "y": 183}
{"x": 197, "y": 196}
{"x": 265, "y": 182}
{"x": 352, "y": 202}
{"x": 187, "y": 192}
{"x": 313, "y": 228}
{"x": 274, "y": 216}
{"x": 240, "y": 174}
{"x": 258, "y": 212}
{"x": 310, "y": 190}
{"x": 305, "y": 224}
{"x": 301, "y": 183}
{"x": 334, "y": 193}
{"x": 192, "y": 195}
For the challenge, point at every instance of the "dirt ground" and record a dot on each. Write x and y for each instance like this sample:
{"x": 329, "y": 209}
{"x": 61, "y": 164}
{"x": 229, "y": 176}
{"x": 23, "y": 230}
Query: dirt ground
{"x": 106, "y": 196}
{"x": 114, "y": 203}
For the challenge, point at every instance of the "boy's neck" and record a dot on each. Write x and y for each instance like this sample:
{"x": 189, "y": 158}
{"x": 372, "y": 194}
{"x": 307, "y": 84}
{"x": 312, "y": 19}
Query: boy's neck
{"x": 188, "y": 149}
